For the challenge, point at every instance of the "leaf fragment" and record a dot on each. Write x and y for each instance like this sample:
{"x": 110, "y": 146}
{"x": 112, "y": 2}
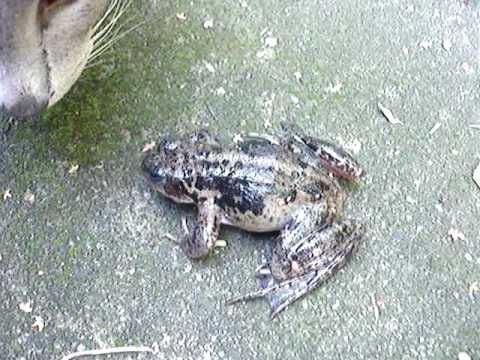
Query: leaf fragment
{"x": 388, "y": 115}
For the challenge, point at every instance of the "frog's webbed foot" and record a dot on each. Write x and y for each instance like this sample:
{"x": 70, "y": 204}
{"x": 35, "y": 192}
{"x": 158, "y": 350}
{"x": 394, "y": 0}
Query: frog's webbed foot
{"x": 279, "y": 294}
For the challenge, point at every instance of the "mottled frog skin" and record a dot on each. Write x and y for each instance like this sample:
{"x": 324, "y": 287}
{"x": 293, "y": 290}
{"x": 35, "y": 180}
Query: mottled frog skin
{"x": 266, "y": 183}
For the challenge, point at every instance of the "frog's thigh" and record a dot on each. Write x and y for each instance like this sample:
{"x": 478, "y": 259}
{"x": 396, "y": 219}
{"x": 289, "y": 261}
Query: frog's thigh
{"x": 202, "y": 240}
{"x": 318, "y": 257}
{"x": 303, "y": 222}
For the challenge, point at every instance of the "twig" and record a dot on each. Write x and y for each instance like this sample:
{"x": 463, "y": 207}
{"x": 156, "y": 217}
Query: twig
{"x": 116, "y": 350}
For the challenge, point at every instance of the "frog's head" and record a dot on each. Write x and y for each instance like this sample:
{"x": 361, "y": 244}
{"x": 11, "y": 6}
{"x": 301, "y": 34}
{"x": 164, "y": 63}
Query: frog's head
{"x": 166, "y": 168}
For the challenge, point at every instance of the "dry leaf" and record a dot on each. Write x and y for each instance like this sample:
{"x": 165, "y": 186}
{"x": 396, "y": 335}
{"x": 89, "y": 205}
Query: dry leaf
{"x": 388, "y": 115}
{"x": 29, "y": 197}
{"x": 7, "y": 195}
{"x": 181, "y": 16}
{"x": 446, "y": 44}
{"x": 456, "y": 234}
{"x": 237, "y": 138}
{"x": 73, "y": 169}
{"x": 473, "y": 289}
{"x": 434, "y": 128}
{"x": 208, "y": 24}
{"x": 476, "y": 175}
{"x": 148, "y": 147}
{"x": 271, "y": 42}
{"x": 26, "y": 306}
{"x": 463, "y": 356}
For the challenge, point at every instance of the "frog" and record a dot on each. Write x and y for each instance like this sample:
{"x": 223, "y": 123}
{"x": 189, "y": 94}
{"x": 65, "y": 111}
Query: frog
{"x": 288, "y": 184}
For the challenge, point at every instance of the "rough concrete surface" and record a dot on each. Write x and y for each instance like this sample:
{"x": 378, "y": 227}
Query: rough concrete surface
{"x": 85, "y": 250}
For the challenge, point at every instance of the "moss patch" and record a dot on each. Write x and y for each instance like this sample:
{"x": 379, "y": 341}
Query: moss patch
{"x": 81, "y": 128}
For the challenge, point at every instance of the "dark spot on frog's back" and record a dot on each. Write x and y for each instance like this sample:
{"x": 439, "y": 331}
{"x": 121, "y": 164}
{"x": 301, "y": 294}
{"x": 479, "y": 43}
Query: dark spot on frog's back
{"x": 236, "y": 194}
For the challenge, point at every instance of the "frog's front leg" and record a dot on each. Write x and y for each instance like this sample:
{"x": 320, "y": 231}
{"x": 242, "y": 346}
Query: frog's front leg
{"x": 200, "y": 242}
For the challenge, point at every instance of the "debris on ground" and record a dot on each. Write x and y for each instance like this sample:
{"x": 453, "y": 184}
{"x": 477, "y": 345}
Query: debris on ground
{"x": 208, "y": 24}
{"x": 39, "y": 324}
{"x": 73, "y": 169}
{"x": 116, "y": 350}
{"x": 29, "y": 197}
{"x": 26, "y": 306}
{"x": 473, "y": 289}
{"x": 446, "y": 44}
{"x": 476, "y": 175}
{"x": 464, "y": 356}
{"x": 271, "y": 42}
{"x": 455, "y": 235}
{"x": 388, "y": 115}
{"x": 7, "y": 194}
{"x": 237, "y": 138}
{"x": 148, "y": 147}
{"x": 181, "y": 16}
{"x": 434, "y": 128}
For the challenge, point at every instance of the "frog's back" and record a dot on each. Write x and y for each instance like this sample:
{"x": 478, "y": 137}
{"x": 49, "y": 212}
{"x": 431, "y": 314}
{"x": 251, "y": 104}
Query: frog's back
{"x": 256, "y": 186}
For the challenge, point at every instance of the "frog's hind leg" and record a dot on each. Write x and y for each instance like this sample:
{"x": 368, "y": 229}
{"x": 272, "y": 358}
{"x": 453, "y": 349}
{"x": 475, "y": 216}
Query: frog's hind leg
{"x": 305, "y": 264}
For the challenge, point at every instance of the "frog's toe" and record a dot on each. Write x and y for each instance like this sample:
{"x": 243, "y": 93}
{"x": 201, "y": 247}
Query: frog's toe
{"x": 288, "y": 292}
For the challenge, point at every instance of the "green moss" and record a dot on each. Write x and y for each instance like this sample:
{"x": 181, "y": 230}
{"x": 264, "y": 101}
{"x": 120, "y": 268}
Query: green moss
{"x": 81, "y": 128}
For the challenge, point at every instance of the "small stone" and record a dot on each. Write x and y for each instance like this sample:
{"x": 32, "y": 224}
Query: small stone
{"x": 298, "y": 75}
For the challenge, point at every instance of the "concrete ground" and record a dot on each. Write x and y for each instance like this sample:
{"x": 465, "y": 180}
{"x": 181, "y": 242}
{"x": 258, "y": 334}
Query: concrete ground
{"x": 82, "y": 251}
